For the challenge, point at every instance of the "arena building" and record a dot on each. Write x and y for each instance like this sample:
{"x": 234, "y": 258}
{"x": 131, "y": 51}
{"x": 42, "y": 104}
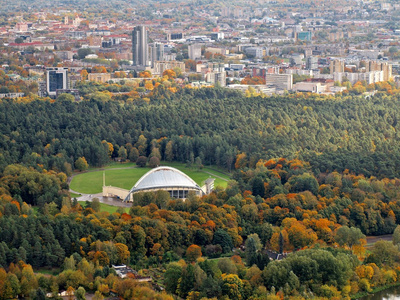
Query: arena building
{"x": 169, "y": 179}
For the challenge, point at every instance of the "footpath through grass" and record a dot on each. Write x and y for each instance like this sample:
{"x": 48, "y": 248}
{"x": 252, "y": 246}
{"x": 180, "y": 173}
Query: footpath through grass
{"x": 92, "y": 182}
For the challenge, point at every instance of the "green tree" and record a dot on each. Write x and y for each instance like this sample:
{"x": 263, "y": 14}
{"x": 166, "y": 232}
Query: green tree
{"x": 172, "y": 276}
{"x": 186, "y": 282}
{"x": 253, "y": 246}
{"x": 141, "y": 145}
{"x": 83, "y": 52}
{"x": 198, "y": 163}
{"x": 66, "y": 97}
{"x": 222, "y": 238}
{"x": 69, "y": 263}
{"x": 133, "y": 154}
{"x": 95, "y": 205}
{"x": 155, "y": 153}
{"x": 169, "y": 151}
{"x": 384, "y": 253}
{"x": 349, "y": 236}
{"x": 396, "y": 235}
{"x": 232, "y": 286}
{"x": 141, "y": 161}
{"x": 80, "y": 293}
{"x": 122, "y": 153}
{"x": 304, "y": 182}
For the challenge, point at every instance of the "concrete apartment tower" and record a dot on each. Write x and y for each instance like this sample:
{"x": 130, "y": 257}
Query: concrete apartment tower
{"x": 56, "y": 79}
{"x": 140, "y": 48}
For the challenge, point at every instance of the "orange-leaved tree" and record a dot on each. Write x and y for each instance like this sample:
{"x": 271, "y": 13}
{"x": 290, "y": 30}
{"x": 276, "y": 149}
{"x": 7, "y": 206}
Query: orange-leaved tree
{"x": 193, "y": 252}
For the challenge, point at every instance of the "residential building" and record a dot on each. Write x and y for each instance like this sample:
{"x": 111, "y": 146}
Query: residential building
{"x": 194, "y": 51}
{"x": 385, "y": 67}
{"x": 336, "y": 66}
{"x": 99, "y": 77}
{"x": 256, "y": 52}
{"x": 280, "y": 81}
{"x": 317, "y": 86}
{"x": 215, "y": 74}
{"x": 312, "y": 63}
{"x": 216, "y": 77}
{"x": 56, "y": 79}
{"x": 161, "y": 66}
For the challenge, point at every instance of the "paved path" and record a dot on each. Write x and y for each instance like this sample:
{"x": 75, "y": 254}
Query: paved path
{"x": 212, "y": 174}
{"x": 373, "y": 239}
{"x": 105, "y": 200}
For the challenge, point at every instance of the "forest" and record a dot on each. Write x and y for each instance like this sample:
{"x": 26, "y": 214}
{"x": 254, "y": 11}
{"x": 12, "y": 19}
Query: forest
{"x": 311, "y": 177}
{"x": 349, "y": 132}
{"x": 216, "y": 246}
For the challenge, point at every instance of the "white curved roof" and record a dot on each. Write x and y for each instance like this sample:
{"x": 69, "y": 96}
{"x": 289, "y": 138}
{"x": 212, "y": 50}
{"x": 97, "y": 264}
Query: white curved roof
{"x": 164, "y": 177}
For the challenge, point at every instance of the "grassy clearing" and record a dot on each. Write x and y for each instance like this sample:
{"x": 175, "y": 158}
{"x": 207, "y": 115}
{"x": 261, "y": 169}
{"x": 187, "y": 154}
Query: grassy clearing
{"x": 115, "y": 165}
{"x": 73, "y": 195}
{"x": 92, "y": 182}
{"x": 106, "y": 207}
{"x": 200, "y": 175}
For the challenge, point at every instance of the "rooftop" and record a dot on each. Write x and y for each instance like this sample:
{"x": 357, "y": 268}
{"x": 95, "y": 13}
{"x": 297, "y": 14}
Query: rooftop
{"x": 164, "y": 177}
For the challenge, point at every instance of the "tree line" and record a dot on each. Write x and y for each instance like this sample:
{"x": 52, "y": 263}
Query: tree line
{"x": 213, "y": 124}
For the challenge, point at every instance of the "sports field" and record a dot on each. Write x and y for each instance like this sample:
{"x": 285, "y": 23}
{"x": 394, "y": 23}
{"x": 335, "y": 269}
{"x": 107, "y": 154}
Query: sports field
{"x": 126, "y": 176}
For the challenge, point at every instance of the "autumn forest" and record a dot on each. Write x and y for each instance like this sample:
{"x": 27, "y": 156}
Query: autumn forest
{"x": 311, "y": 177}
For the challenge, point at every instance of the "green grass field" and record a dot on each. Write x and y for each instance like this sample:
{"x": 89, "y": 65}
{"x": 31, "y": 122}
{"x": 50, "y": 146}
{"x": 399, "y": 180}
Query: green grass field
{"x": 105, "y": 207}
{"x": 73, "y": 195}
{"x": 92, "y": 182}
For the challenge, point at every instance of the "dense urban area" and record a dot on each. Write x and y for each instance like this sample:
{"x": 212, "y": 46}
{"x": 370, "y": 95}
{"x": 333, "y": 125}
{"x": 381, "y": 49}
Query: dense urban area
{"x": 255, "y": 146}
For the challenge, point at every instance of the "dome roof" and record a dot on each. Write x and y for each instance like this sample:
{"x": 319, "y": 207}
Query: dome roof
{"x": 164, "y": 177}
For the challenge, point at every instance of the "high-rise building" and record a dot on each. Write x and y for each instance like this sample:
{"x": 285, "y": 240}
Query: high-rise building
{"x": 157, "y": 53}
{"x": 312, "y": 63}
{"x": 56, "y": 79}
{"x": 194, "y": 51}
{"x": 140, "y": 49}
{"x": 380, "y": 66}
{"x": 336, "y": 66}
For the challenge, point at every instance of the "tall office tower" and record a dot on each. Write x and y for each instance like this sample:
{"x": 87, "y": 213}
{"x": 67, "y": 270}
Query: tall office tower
{"x": 140, "y": 49}
{"x": 157, "y": 52}
{"x": 56, "y": 79}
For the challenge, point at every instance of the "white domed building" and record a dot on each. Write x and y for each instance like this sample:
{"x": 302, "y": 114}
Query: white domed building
{"x": 169, "y": 179}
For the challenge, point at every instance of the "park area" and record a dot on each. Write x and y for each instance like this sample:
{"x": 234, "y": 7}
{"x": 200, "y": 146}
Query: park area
{"x": 126, "y": 175}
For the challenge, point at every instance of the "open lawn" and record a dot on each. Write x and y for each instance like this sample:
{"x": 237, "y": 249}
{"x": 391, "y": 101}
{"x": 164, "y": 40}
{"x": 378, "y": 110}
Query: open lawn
{"x": 92, "y": 182}
{"x": 105, "y": 207}
{"x": 73, "y": 195}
